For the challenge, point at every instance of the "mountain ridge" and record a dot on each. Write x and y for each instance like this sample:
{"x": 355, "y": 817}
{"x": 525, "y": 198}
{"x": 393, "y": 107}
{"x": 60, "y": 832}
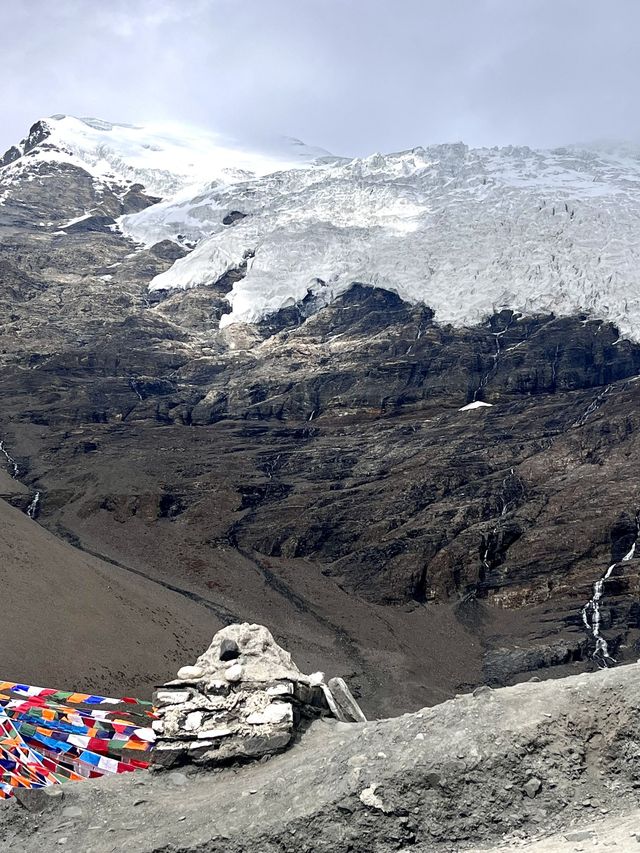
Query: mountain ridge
{"x": 164, "y": 156}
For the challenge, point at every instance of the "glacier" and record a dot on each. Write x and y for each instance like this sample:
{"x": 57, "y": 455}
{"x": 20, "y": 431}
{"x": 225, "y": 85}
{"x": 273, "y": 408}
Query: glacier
{"x": 466, "y": 231}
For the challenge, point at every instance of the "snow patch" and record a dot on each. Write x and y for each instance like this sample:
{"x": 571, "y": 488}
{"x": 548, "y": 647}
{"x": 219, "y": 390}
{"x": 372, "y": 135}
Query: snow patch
{"x": 477, "y": 404}
{"x": 75, "y": 220}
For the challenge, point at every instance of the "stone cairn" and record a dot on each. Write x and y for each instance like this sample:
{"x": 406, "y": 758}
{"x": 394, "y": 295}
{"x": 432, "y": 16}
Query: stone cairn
{"x": 243, "y": 699}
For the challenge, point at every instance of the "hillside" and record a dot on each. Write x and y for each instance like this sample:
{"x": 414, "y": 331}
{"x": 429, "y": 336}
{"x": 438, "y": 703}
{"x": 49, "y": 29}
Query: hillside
{"x": 72, "y": 619}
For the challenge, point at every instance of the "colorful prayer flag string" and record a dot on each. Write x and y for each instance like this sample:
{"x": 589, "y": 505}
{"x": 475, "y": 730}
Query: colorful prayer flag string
{"x": 50, "y": 737}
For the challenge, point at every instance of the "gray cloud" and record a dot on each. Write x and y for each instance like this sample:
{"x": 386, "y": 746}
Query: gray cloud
{"x": 351, "y": 75}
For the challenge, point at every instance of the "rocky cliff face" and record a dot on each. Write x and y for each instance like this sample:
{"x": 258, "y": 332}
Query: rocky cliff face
{"x": 320, "y": 471}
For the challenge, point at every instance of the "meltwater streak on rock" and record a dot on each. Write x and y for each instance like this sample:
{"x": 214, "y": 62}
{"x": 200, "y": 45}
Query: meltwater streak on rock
{"x": 601, "y": 654}
{"x": 15, "y": 470}
{"x": 496, "y": 356}
{"x": 32, "y": 509}
{"x": 593, "y": 407}
{"x": 505, "y": 509}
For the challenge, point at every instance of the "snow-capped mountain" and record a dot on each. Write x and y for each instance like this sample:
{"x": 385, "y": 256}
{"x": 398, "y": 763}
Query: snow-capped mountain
{"x": 464, "y": 230}
{"x": 372, "y": 456}
{"x": 163, "y": 157}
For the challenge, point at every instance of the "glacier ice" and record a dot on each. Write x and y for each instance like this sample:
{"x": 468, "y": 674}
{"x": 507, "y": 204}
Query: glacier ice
{"x": 465, "y": 231}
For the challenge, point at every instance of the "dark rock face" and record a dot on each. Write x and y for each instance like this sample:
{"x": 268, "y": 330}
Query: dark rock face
{"x": 38, "y": 132}
{"x": 92, "y": 223}
{"x": 501, "y": 665}
{"x": 314, "y": 472}
{"x": 166, "y": 250}
{"x": 233, "y": 216}
{"x": 10, "y": 156}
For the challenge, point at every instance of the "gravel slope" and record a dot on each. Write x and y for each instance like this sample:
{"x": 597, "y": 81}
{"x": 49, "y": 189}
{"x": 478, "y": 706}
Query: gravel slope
{"x": 83, "y": 623}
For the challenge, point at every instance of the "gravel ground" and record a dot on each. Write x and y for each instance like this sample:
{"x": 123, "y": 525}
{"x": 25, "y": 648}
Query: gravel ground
{"x": 542, "y": 767}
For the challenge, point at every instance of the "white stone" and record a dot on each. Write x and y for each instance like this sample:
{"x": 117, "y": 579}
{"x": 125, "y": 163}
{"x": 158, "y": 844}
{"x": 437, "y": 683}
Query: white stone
{"x": 193, "y": 721}
{"x": 277, "y": 712}
{"x": 280, "y": 689}
{"x": 331, "y": 702}
{"x": 234, "y": 673}
{"x": 348, "y": 709}
{"x": 188, "y": 673}
{"x": 172, "y": 697}
{"x": 200, "y": 744}
{"x": 221, "y": 731}
{"x": 369, "y": 798}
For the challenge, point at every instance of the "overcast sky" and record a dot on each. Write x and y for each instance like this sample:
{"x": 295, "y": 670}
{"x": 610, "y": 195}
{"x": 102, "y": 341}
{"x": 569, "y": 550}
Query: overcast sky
{"x": 354, "y": 76}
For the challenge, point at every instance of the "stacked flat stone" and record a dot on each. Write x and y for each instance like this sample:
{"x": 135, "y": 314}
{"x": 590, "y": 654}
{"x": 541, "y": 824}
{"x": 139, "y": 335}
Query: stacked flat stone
{"x": 243, "y": 699}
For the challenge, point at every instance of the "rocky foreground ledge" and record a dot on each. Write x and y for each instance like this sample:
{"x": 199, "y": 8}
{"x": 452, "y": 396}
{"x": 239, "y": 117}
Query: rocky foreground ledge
{"x": 496, "y": 769}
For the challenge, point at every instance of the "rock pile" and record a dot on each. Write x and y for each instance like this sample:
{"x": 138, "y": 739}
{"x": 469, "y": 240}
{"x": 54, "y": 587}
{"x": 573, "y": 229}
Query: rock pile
{"x": 243, "y": 699}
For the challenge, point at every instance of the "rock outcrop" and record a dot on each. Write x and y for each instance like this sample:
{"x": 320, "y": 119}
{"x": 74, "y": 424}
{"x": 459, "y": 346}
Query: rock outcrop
{"x": 243, "y": 698}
